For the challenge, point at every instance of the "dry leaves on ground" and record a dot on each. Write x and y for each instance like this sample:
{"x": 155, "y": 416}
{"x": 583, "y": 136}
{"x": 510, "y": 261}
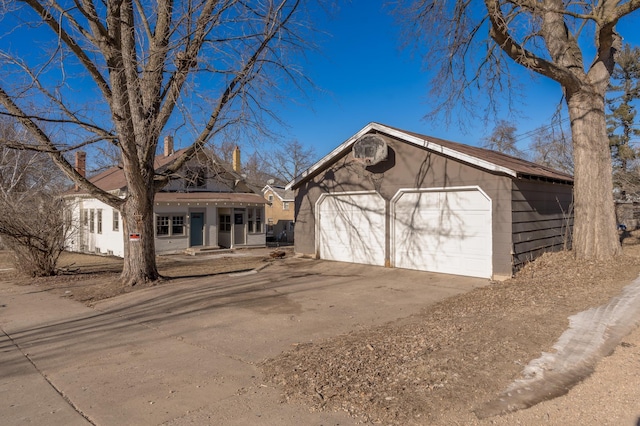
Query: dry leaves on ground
{"x": 90, "y": 278}
{"x": 438, "y": 366}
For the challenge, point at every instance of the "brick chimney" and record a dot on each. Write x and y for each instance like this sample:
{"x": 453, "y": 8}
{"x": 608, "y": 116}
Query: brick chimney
{"x": 237, "y": 165}
{"x": 168, "y": 146}
{"x": 81, "y": 165}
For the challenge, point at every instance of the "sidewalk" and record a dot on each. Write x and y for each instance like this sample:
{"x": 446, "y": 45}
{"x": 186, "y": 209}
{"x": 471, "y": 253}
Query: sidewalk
{"x": 66, "y": 364}
{"x": 27, "y": 395}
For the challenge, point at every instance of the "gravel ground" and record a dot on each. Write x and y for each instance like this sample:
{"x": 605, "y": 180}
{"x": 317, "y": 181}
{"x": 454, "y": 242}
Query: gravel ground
{"x": 437, "y": 367}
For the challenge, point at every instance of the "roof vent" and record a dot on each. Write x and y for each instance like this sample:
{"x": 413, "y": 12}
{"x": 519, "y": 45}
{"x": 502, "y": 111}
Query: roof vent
{"x": 370, "y": 150}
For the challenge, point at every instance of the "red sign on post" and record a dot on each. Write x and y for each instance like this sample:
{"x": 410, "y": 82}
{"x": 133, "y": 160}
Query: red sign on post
{"x": 134, "y": 237}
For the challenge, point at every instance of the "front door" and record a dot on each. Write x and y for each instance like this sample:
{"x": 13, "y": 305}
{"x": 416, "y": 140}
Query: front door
{"x": 238, "y": 227}
{"x": 197, "y": 226}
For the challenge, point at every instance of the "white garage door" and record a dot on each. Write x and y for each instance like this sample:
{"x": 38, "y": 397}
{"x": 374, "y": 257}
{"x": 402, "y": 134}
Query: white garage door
{"x": 352, "y": 228}
{"x": 443, "y": 231}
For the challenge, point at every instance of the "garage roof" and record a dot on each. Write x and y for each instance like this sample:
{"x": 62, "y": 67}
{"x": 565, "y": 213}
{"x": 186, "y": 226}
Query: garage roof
{"x": 486, "y": 159}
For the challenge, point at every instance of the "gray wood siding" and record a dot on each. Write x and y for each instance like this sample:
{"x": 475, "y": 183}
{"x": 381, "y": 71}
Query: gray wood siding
{"x": 542, "y": 219}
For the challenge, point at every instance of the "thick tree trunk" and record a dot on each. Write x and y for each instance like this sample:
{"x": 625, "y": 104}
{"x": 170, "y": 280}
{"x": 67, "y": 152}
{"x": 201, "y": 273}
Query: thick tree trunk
{"x": 139, "y": 245}
{"x": 594, "y": 235}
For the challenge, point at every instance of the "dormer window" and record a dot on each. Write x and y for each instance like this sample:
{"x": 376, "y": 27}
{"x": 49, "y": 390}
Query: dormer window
{"x": 196, "y": 178}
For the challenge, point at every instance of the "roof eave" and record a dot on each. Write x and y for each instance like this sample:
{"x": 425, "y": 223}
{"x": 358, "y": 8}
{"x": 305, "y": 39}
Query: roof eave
{"x": 432, "y": 146}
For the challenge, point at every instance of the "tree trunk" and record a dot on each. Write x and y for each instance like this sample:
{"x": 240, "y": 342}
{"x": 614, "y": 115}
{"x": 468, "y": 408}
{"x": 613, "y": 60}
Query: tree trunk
{"x": 594, "y": 233}
{"x": 139, "y": 245}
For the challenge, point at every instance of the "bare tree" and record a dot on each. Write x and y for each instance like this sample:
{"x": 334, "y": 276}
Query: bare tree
{"x": 32, "y": 223}
{"x": 503, "y": 139}
{"x": 256, "y": 170}
{"x": 36, "y": 230}
{"x": 571, "y": 42}
{"x": 290, "y": 159}
{"x": 125, "y": 72}
{"x": 280, "y": 162}
{"x": 552, "y": 148}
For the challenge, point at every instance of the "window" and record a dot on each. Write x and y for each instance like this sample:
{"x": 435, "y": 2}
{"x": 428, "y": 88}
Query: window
{"x": 177, "y": 225}
{"x": 170, "y": 225}
{"x": 271, "y": 198}
{"x": 225, "y": 222}
{"x": 84, "y": 217}
{"x": 99, "y": 221}
{"x": 92, "y": 221}
{"x": 285, "y": 205}
{"x": 162, "y": 225}
{"x": 116, "y": 220}
{"x": 254, "y": 216}
{"x": 197, "y": 178}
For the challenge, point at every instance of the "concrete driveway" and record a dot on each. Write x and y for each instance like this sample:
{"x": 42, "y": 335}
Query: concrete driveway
{"x": 188, "y": 352}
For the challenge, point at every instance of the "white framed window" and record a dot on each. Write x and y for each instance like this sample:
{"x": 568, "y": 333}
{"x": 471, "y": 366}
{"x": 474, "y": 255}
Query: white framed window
{"x": 254, "y": 219}
{"x": 99, "y": 227}
{"x": 92, "y": 220}
{"x": 259, "y": 219}
{"x": 116, "y": 220}
{"x": 162, "y": 225}
{"x": 177, "y": 225}
{"x": 285, "y": 205}
{"x": 270, "y": 198}
{"x": 170, "y": 225}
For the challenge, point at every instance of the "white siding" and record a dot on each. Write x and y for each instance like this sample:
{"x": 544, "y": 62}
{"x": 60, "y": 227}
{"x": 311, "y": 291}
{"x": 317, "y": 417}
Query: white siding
{"x": 84, "y": 239}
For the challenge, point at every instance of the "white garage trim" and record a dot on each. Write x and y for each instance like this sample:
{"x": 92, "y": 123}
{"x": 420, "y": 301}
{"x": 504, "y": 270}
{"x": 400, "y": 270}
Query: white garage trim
{"x": 447, "y": 230}
{"x": 350, "y": 227}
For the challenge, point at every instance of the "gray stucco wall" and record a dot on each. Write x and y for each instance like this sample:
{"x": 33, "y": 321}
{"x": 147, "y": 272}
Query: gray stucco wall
{"x": 407, "y": 166}
{"x": 542, "y": 219}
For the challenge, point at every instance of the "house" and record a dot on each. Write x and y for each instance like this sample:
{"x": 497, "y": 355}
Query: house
{"x": 208, "y": 206}
{"x": 394, "y": 198}
{"x": 279, "y": 213}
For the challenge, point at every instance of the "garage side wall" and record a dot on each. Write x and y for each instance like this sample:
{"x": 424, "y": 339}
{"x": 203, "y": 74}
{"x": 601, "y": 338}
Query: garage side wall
{"x": 542, "y": 219}
{"x": 407, "y": 166}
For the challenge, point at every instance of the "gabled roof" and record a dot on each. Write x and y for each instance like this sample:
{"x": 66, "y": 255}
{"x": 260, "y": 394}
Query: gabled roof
{"x": 282, "y": 193}
{"x": 486, "y": 159}
{"x": 113, "y": 178}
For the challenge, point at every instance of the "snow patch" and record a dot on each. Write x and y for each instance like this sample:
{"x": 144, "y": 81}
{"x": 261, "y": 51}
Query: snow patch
{"x": 592, "y": 335}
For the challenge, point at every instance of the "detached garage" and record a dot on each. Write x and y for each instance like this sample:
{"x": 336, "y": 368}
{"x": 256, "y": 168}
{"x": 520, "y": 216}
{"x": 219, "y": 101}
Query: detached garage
{"x": 394, "y": 198}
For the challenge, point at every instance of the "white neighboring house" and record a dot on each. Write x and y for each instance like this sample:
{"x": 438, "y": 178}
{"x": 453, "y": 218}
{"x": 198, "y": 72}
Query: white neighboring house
{"x": 208, "y": 206}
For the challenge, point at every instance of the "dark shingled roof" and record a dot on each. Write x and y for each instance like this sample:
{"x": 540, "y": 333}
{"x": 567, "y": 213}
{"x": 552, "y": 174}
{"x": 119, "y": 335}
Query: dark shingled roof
{"x": 520, "y": 166}
{"x": 113, "y": 178}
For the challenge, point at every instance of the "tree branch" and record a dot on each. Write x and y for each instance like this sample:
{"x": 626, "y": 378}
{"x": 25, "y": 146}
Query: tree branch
{"x": 501, "y": 35}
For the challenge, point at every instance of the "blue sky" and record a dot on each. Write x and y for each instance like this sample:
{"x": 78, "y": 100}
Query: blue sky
{"x": 365, "y": 76}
